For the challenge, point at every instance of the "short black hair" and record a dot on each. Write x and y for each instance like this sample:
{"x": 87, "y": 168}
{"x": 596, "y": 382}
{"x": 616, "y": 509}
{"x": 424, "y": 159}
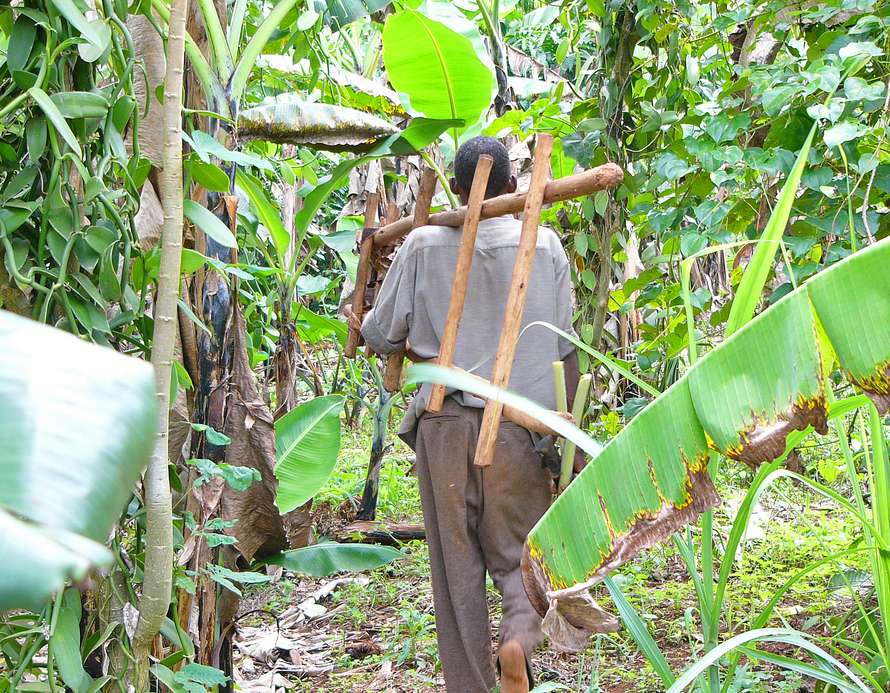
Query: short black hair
{"x": 465, "y": 164}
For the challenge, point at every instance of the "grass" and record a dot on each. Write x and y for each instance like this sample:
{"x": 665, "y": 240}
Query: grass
{"x": 394, "y": 610}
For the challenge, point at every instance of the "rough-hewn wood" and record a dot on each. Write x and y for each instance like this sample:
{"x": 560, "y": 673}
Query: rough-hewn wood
{"x": 461, "y": 276}
{"x": 605, "y": 177}
{"x": 525, "y": 255}
{"x": 363, "y": 273}
{"x": 391, "y": 534}
{"x": 392, "y": 379}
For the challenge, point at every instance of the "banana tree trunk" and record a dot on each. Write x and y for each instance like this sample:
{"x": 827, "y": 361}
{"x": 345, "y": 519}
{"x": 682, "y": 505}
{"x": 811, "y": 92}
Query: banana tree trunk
{"x": 157, "y": 579}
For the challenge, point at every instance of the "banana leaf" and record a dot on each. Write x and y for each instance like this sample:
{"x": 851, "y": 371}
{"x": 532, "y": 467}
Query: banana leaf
{"x": 77, "y": 424}
{"x": 744, "y": 399}
{"x": 288, "y": 119}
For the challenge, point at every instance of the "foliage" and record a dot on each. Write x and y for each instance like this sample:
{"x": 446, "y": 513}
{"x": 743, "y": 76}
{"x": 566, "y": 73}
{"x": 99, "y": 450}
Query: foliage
{"x": 73, "y": 446}
{"x": 328, "y": 558}
{"x": 307, "y": 442}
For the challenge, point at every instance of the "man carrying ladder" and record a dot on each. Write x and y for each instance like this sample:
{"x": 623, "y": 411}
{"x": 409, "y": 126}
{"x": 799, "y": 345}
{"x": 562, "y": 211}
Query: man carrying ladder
{"x": 477, "y": 517}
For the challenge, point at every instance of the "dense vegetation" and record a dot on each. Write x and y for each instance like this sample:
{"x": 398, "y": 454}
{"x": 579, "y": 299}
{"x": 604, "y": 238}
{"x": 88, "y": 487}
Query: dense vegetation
{"x": 753, "y": 136}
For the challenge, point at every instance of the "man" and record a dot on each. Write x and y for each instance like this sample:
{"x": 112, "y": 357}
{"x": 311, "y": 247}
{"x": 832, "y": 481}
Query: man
{"x": 477, "y": 519}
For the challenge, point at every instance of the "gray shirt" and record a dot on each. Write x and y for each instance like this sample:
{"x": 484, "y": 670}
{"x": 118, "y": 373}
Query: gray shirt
{"x": 413, "y": 303}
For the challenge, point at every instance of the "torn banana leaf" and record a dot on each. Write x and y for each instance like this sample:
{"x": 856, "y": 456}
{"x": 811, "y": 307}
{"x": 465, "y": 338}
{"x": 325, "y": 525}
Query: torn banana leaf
{"x": 743, "y": 399}
{"x": 77, "y": 424}
{"x": 752, "y": 391}
{"x": 852, "y": 302}
{"x": 288, "y": 119}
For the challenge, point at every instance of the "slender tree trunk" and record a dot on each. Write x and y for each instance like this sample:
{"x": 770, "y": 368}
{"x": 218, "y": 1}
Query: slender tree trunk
{"x": 156, "y": 583}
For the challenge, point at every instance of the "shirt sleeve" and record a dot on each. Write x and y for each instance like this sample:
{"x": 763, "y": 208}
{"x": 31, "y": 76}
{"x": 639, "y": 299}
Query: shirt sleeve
{"x": 386, "y": 326}
{"x": 564, "y": 301}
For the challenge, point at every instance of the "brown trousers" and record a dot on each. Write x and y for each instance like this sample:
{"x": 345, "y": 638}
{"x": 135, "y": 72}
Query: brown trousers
{"x": 477, "y": 519}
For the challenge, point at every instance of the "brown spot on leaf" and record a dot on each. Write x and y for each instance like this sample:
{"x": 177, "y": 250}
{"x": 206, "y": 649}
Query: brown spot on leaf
{"x": 877, "y": 386}
{"x": 764, "y": 441}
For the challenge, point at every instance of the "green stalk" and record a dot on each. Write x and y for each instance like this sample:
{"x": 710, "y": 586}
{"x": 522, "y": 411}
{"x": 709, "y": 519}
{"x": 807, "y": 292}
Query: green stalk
{"x": 710, "y": 618}
{"x": 443, "y": 179}
{"x": 217, "y": 39}
{"x": 881, "y": 517}
{"x": 559, "y": 386}
{"x": 568, "y": 447}
{"x": 255, "y": 46}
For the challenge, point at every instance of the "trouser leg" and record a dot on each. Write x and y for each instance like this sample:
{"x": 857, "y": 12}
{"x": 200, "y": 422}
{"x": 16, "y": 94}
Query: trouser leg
{"x": 450, "y": 493}
{"x": 516, "y": 493}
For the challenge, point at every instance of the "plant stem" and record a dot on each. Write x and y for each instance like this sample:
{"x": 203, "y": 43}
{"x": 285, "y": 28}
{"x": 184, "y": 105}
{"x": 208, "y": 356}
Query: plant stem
{"x": 157, "y": 579}
{"x": 443, "y": 179}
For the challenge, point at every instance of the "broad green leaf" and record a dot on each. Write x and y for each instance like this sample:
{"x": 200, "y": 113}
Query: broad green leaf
{"x": 96, "y": 32}
{"x": 80, "y": 104}
{"x": 209, "y": 223}
{"x": 321, "y": 560}
{"x": 206, "y": 147}
{"x": 864, "y": 354}
{"x": 21, "y": 41}
{"x": 751, "y": 287}
{"x": 442, "y": 76}
{"x": 343, "y": 243}
{"x": 71, "y": 448}
{"x": 290, "y": 119}
{"x": 842, "y": 132}
{"x": 210, "y": 176}
{"x": 752, "y": 392}
{"x": 64, "y": 643}
{"x": 315, "y": 328}
{"x": 761, "y": 389}
{"x": 420, "y": 133}
{"x": 656, "y": 466}
{"x": 203, "y": 674}
{"x": 56, "y": 118}
{"x": 307, "y": 442}
{"x": 266, "y": 211}
{"x": 857, "y": 88}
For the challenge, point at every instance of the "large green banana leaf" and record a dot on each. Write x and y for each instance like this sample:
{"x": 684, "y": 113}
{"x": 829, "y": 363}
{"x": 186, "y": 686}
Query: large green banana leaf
{"x": 289, "y": 119}
{"x": 77, "y": 423}
{"x": 742, "y": 399}
{"x": 307, "y": 442}
{"x": 443, "y": 75}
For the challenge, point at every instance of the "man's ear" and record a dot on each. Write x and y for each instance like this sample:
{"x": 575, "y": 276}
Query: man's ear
{"x": 511, "y": 186}
{"x": 455, "y": 188}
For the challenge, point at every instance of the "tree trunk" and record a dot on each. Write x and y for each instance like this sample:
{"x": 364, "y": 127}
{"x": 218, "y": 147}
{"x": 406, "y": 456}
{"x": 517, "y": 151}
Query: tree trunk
{"x": 157, "y": 579}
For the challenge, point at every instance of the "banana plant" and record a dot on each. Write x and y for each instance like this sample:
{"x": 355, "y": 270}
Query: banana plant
{"x": 743, "y": 399}
{"x": 72, "y": 445}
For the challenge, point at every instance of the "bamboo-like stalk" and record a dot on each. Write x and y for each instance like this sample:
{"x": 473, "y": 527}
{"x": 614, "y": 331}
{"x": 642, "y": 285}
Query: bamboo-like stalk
{"x": 568, "y": 447}
{"x": 559, "y": 386}
{"x": 158, "y": 570}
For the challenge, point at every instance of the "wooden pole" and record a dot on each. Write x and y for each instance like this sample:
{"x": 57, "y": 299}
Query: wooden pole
{"x": 461, "y": 276}
{"x": 392, "y": 377}
{"x": 525, "y": 255}
{"x": 605, "y": 177}
{"x": 363, "y": 272}
{"x": 390, "y": 215}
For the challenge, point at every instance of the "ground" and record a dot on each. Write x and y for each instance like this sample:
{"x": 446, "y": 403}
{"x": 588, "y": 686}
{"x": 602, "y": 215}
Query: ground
{"x": 376, "y": 632}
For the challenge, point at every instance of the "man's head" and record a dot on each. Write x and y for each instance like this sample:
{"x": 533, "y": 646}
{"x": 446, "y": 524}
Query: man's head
{"x": 501, "y": 179}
